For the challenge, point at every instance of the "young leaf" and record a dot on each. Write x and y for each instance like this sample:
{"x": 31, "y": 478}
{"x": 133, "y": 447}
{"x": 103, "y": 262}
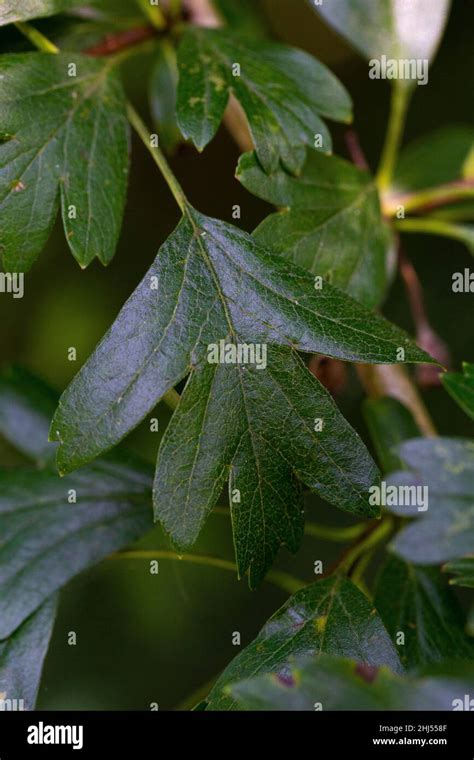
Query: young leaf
{"x": 437, "y": 159}
{"x": 47, "y": 538}
{"x": 330, "y": 224}
{"x": 335, "y": 683}
{"x": 463, "y": 571}
{"x": 416, "y": 602}
{"x": 394, "y": 28}
{"x": 329, "y": 616}
{"x": 283, "y": 91}
{"x": 212, "y": 283}
{"x": 261, "y": 425}
{"x": 162, "y": 94}
{"x": 22, "y": 657}
{"x": 461, "y": 387}
{"x": 389, "y": 424}
{"x": 22, "y": 10}
{"x": 68, "y": 138}
{"x": 446, "y": 530}
{"x": 26, "y": 408}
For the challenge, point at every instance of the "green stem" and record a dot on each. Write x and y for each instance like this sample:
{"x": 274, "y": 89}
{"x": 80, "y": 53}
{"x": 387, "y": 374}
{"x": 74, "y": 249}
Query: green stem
{"x": 171, "y": 399}
{"x": 283, "y": 580}
{"x": 36, "y": 38}
{"x": 339, "y": 535}
{"x": 396, "y": 125}
{"x": 373, "y": 539}
{"x": 432, "y": 226}
{"x": 144, "y": 133}
{"x": 430, "y": 197}
{"x": 153, "y": 13}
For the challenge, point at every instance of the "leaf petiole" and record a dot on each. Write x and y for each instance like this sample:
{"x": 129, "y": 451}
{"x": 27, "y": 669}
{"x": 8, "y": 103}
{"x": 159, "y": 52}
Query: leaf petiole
{"x": 431, "y": 226}
{"x": 398, "y": 110}
{"x": 284, "y": 581}
{"x": 36, "y": 38}
{"x": 145, "y": 135}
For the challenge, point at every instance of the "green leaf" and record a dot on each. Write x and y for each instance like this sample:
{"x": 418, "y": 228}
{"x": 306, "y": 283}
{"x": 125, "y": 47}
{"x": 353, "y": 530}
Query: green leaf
{"x": 162, "y": 94}
{"x": 461, "y": 387}
{"x": 246, "y": 16}
{"x": 389, "y": 423}
{"x": 22, "y": 657}
{"x": 68, "y": 139}
{"x": 26, "y": 408}
{"x": 283, "y": 91}
{"x": 436, "y": 159}
{"x": 22, "y": 10}
{"x": 210, "y": 283}
{"x": 394, "y": 28}
{"x": 330, "y": 616}
{"x": 330, "y": 224}
{"x": 46, "y": 540}
{"x": 416, "y": 601}
{"x": 446, "y": 530}
{"x": 235, "y": 419}
{"x": 333, "y": 683}
{"x": 463, "y": 571}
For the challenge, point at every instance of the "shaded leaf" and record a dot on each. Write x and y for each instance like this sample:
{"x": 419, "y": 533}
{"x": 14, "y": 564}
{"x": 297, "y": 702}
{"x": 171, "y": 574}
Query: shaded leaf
{"x": 22, "y": 656}
{"x": 68, "y": 140}
{"x": 27, "y": 405}
{"x": 461, "y": 387}
{"x": 340, "y": 684}
{"x": 283, "y": 91}
{"x": 247, "y": 17}
{"x": 330, "y": 616}
{"x": 389, "y": 423}
{"x": 22, "y": 10}
{"x": 446, "y": 530}
{"x": 259, "y": 424}
{"x": 213, "y": 283}
{"x": 46, "y": 540}
{"x": 417, "y": 602}
{"x": 162, "y": 95}
{"x": 330, "y": 225}
{"x": 463, "y": 571}
{"x": 394, "y": 28}
{"x": 435, "y": 159}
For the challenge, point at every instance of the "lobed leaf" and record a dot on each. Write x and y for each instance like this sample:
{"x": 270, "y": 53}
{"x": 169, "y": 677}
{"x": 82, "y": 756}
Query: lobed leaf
{"x": 67, "y": 140}
{"x": 283, "y": 91}
{"x": 330, "y": 616}
{"x": 330, "y": 222}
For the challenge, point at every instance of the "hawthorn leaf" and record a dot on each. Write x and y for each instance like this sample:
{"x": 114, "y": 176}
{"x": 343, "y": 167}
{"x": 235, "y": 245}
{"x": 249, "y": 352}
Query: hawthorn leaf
{"x": 46, "y": 539}
{"x": 212, "y": 285}
{"x": 27, "y": 405}
{"x": 395, "y": 28}
{"x": 283, "y": 91}
{"x": 67, "y": 139}
{"x": 330, "y": 224}
{"x": 337, "y": 683}
{"x": 329, "y": 616}
{"x": 446, "y": 530}
{"x": 162, "y": 95}
{"x": 461, "y": 387}
{"x": 463, "y": 571}
{"x": 439, "y": 158}
{"x": 22, "y": 657}
{"x": 22, "y": 10}
{"x": 211, "y": 282}
{"x": 417, "y": 602}
{"x": 260, "y": 425}
{"x": 389, "y": 423}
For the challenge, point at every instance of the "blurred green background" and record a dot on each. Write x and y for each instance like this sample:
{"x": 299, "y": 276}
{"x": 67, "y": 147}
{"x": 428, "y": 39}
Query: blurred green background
{"x": 144, "y": 638}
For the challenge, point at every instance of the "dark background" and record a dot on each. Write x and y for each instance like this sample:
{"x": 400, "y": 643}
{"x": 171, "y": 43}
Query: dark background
{"x": 143, "y": 638}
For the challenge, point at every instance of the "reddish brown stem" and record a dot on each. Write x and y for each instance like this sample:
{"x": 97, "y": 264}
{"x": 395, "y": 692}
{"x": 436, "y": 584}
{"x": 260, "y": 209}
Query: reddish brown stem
{"x": 118, "y": 41}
